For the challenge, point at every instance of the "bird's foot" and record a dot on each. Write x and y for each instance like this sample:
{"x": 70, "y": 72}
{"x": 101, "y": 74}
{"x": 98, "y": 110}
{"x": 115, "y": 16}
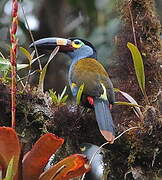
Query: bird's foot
{"x": 90, "y": 100}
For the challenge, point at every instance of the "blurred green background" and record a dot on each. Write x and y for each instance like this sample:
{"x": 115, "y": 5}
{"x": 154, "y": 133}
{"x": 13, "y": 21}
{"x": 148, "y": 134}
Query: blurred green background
{"x": 95, "y": 20}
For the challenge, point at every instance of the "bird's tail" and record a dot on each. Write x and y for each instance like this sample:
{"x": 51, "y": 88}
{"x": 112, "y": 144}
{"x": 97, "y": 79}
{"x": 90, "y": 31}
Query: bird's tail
{"x": 104, "y": 119}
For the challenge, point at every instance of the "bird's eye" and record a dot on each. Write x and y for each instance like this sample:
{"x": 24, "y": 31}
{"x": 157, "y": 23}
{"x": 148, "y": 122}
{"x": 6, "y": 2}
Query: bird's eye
{"x": 77, "y": 43}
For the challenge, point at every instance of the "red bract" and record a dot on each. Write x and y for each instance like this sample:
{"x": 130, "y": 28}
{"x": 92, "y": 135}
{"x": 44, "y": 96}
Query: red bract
{"x": 9, "y": 147}
{"x": 35, "y": 160}
{"x": 70, "y": 167}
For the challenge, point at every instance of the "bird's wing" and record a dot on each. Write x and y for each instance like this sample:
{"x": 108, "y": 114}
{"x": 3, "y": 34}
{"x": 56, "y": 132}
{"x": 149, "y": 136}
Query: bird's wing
{"x": 91, "y": 73}
{"x": 110, "y": 91}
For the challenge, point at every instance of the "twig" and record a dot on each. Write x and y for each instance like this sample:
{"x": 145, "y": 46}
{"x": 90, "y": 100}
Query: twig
{"x": 93, "y": 156}
{"x": 132, "y": 22}
{"x": 30, "y": 70}
{"x": 19, "y": 79}
{"x": 22, "y": 78}
{"x": 32, "y": 38}
{"x": 13, "y": 52}
{"x": 43, "y": 73}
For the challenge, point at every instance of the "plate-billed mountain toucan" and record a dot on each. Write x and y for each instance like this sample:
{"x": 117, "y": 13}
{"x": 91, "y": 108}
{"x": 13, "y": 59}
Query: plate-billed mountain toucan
{"x": 85, "y": 69}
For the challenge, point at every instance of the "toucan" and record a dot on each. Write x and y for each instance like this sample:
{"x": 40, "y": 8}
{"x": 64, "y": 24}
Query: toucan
{"x": 85, "y": 69}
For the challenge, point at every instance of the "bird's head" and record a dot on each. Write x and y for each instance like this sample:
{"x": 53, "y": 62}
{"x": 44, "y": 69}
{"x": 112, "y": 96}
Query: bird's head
{"x": 76, "y": 48}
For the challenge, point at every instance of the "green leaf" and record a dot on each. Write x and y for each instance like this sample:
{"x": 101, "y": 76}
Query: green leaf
{"x": 0, "y": 172}
{"x": 10, "y": 172}
{"x": 22, "y": 66}
{"x": 79, "y": 94}
{"x": 4, "y": 64}
{"x": 60, "y": 99}
{"x": 138, "y": 65}
{"x": 43, "y": 72}
{"x": 63, "y": 100}
{"x": 127, "y": 104}
{"x": 53, "y": 96}
{"x": 26, "y": 53}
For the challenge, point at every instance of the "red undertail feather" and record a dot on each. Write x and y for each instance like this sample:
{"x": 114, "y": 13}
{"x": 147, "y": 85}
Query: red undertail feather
{"x": 90, "y": 100}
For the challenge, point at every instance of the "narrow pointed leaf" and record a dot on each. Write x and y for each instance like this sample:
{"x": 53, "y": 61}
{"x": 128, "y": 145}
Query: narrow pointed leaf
{"x": 136, "y": 107}
{"x": 10, "y": 173}
{"x": 9, "y": 147}
{"x": 127, "y": 104}
{"x": 36, "y": 160}
{"x": 79, "y": 94}
{"x": 70, "y": 167}
{"x": 2, "y": 55}
{"x": 63, "y": 100}
{"x": 53, "y": 96}
{"x": 35, "y": 59}
{"x": 26, "y": 53}
{"x": 4, "y": 64}
{"x": 59, "y": 98}
{"x": 54, "y": 52}
{"x": 32, "y": 54}
{"x": 22, "y": 66}
{"x": 0, "y": 172}
{"x": 63, "y": 92}
{"x": 138, "y": 65}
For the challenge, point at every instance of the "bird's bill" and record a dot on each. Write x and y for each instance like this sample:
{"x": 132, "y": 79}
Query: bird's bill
{"x": 52, "y": 43}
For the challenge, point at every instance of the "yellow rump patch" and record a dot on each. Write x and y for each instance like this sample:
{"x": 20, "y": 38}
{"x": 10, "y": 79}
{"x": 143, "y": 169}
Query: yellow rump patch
{"x": 104, "y": 95}
{"x": 73, "y": 85}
